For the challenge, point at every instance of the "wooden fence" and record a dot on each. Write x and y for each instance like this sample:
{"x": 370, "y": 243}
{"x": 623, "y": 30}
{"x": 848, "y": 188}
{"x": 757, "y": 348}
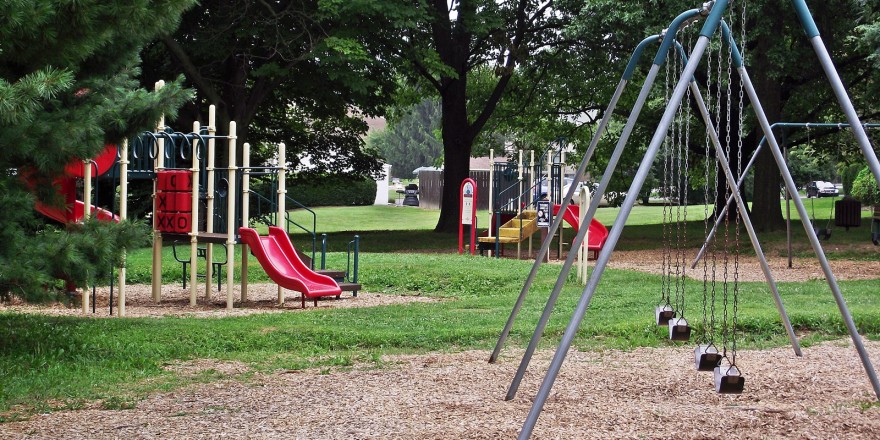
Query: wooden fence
{"x": 431, "y": 189}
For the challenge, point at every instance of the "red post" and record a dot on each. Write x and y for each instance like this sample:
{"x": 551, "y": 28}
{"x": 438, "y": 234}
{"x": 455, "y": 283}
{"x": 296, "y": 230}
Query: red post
{"x": 468, "y": 209}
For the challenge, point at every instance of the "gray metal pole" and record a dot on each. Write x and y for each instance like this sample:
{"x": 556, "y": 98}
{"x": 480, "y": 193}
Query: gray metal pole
{"x": 846, "y": 105}
{"x": 812, "y": 32}
{"x": 557, "y": 221}
{"x": 720, "y": 217}
{"x": 811, "y": 234}
{"x": 579, "y": 238}
{"x": 613, "y": 237}
{"x": 748, "y": 168}
{"x": 676, "y": 24}
{"x": 733, "y": 184}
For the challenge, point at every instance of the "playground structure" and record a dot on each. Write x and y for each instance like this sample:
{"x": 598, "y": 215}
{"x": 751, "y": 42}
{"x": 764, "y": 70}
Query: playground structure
{"x": 517, "y": 187}
{"x": 177, "y": 216}
{"x": 81, "y": 170}
{"x": 728, "y": 378}
{"x": 207, "y": 206}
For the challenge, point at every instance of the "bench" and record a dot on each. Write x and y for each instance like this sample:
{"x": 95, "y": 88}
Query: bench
{"x": 201, "y": 252}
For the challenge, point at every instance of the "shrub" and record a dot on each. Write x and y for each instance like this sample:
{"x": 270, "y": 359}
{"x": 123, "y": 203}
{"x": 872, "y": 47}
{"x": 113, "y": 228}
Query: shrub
{"x": 332, "y": 191}
{"x": 865, "y": 188}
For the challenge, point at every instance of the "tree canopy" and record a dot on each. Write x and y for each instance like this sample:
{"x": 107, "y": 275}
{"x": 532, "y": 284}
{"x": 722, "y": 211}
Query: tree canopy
{"x": 467, "y": 53}
{"x": 781, "y": 63}
{"x": 303, "y": 73}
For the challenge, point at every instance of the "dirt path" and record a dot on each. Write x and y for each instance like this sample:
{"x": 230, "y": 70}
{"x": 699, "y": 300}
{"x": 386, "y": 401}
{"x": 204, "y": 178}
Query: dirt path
{"x": 750, "y": 270}
{"x": 262, "y": 298}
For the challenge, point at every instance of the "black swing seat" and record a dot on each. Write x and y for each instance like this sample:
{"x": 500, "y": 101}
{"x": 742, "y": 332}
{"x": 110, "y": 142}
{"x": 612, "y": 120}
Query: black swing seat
{"x": 729, "y": 380}
{"x": 822, "y": 233}
{"x": 663, "y": 314}
{"x": 679, "y": 330}
{"x": 706, "y": 357}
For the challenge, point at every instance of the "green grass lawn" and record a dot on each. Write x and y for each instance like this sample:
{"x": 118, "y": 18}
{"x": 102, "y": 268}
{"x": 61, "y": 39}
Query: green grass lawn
{"x": 51, "y": 362}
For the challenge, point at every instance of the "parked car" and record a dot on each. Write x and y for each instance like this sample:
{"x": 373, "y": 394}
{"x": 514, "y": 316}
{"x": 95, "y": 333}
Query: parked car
{"x": 819, "y": 188}
{"x": 566, "y": 184}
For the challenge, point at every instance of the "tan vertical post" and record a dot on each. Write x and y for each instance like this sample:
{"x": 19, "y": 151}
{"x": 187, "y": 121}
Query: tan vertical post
{"x": 209, "y": 199}
{"x": 87, "y": 214}
{"x": 123, "y": 215}
{"x": 194, "y": 224}
{"x": 282, "y": 194}
{"x": 245, "y": 214}
{"x": 157, "y": 235}
{"x": 519, "y": 210}
{"x": 584, "y": 251}
{"x": 230, "y": 220}
{"x": 550, "y": 182}
{"x": 531, "y": 188}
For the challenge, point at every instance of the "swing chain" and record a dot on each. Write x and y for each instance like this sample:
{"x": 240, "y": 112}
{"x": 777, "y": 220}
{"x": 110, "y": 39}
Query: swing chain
{"x": 676, "y": 174}
{"x": 708, "y": 326}
{"x": 664, "y": 283}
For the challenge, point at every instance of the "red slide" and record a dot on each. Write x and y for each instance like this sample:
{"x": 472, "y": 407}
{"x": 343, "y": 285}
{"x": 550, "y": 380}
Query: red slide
{"x": 276, "y": 254}
{"x": 598, "y": 233}
{"x": 76, "y": 169}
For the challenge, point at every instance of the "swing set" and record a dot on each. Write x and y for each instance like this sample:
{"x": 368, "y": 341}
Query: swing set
{"x": 717, "y": 346}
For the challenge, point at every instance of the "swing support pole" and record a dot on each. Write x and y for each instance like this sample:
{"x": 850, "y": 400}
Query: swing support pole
{"x": 843, "y": 99}
{"x": 811, "y": 234}
{"x": 577, "y": 241}
{"x": 617, "y": 228}
{"x": 557, "y": 221}
{"x": 733, "y": 184}
{"x": 605, "y": 182}
{"x": 748, "y": 168}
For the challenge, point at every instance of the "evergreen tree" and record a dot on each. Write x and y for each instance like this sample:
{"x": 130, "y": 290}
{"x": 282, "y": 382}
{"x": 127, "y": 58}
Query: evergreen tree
{"x": 67, "y": 87}
{"x": 411, "y": 140}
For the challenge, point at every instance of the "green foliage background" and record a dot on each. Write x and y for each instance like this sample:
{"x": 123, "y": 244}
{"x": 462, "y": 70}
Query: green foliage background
{"x": 865, "y": 188}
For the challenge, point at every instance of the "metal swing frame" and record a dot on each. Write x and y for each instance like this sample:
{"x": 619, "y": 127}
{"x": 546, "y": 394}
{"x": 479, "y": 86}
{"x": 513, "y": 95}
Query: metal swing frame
{"x": 659, "y": 60}
{"x": 710, "y": 27}
{"x": 748, "y": 167}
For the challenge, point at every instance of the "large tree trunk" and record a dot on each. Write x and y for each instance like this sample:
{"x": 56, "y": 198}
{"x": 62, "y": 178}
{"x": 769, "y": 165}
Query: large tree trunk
{"x": 766, "y": 208}
{"x": 457, "y": 145}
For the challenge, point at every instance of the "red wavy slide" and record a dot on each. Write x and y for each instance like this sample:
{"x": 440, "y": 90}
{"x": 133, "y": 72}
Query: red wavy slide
{"x": 76, "y": 170}
{"x": 598, "y": 233}
{"x": 279, "y": 259}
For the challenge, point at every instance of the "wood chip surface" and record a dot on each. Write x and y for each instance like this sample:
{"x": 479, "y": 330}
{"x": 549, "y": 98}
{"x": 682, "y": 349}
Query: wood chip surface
{"x": 645, "y": 393}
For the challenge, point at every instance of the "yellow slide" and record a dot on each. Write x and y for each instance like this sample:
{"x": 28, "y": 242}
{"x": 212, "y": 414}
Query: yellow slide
{"x": 516, "y": 229}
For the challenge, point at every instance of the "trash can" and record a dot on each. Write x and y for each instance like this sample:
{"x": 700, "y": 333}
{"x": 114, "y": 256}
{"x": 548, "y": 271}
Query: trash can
{"x": 411, "y": 195}
{"x": 847, "y": 213}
